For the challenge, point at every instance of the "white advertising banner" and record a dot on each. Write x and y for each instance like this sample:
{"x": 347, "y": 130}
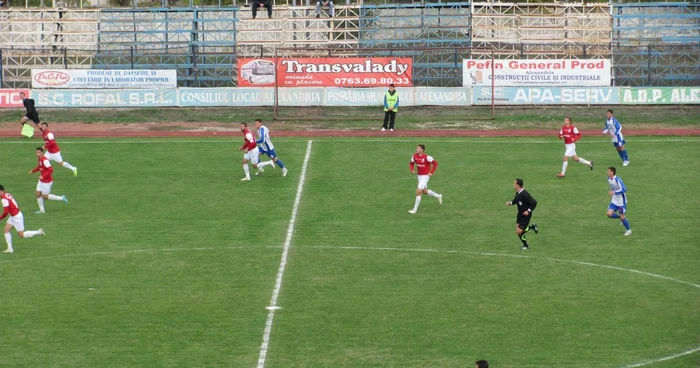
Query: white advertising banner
{"x": 537, "y": 73}
{"x": 103, "y": 79}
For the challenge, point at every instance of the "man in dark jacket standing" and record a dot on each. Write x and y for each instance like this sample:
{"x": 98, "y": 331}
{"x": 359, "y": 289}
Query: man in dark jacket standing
{"x": 257, "y": 4}
{"x": 391, "y": 107}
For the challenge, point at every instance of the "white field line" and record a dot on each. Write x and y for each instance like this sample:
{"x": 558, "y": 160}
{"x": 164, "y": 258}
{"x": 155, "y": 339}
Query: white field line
{"x": 283, "y": 262}
{"x": 328, "y": 139}
{"x": 650, "y": 362}
{"x": 428, "y": 250}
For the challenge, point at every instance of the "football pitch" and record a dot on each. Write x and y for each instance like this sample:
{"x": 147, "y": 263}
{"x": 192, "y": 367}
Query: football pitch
{"x": 163, "y": 257}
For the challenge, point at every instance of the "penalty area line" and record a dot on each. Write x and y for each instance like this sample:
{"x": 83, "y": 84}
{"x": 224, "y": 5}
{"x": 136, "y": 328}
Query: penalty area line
{"x": 273, "y": 307}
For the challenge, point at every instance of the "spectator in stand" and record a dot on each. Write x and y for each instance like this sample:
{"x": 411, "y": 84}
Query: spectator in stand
{"x": 257, "y": 4}
{"x": 319, "y": 3}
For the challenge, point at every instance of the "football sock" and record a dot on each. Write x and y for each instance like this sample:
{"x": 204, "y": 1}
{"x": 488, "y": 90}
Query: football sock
{"x": 624, "y": 155}
{"x": 584, "y": 161}
{"x": 415, "y": 206}
{"x": 8, "y": 240}
{"x": 522, "y": 239}
{"x": 563, "y": 167}
{"x": 40, "y": 200}
{"x": 68, "y": 166}
{"x": 54, "y": 198}
{"x": 29, "y": 234}
{"x": 626, "y": 223}
{"x": 432, "y": 194}
{"x": 246, "y": 170}
{"x": 280, "y": 164}
{"x": 265, "y": 163}
{"x": 614, "y": 215}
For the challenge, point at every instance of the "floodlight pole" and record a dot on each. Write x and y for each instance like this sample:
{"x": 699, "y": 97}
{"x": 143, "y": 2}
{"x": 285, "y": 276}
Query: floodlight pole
{"x": 276, "y": 93}
{"x": 493, "y": 85}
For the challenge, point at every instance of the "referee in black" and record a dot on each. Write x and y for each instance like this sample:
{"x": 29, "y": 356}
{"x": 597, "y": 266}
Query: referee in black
{"x": 32, "y": 114}
{"x": 526, "y": 204}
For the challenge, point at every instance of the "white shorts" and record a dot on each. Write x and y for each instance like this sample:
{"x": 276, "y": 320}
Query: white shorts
{"x": 54, "y": 156}
{"x": 423, "y": 181}
{"x": 570, "y": 149}
{"x": 253, "y": 156}
{"x": 17, "y": 222}
{"x": 44, "y": 188}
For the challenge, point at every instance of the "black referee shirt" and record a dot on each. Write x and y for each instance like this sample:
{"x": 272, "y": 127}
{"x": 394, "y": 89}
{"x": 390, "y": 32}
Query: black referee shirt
{"x": 29, "y": 105}
{"x": 524, "y": 201}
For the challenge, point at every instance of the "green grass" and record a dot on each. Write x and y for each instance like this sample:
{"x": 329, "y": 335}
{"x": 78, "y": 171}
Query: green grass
{"x": 164, "y": 258}
{"x": 360, "y": 118}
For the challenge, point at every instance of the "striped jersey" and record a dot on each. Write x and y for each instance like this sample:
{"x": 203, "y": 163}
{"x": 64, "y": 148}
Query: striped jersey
{"x": 619, "y": 198}
{"x": 613, "y": 127}
{"x": 264, "y": 139}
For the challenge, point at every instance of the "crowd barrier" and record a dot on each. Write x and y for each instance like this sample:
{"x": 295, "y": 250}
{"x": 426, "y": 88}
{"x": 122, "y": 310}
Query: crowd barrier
{"x": 330, "y": 96}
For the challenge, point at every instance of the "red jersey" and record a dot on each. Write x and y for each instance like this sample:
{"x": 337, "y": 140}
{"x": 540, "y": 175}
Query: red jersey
{"x": 50, "y": 140}
{"x": 249, "y": 141}
{"x": 46, "y": 170}
{"x": 426, "y": 164}
{"x": 572, "y": 133}
{"x": 9, "y": 205}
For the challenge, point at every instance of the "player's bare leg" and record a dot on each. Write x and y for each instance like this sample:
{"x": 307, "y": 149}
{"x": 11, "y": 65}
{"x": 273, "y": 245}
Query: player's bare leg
{"x": 419, "y": 193}
{"x": 564, "y": 165}
{"x": 246, "y": 170}
{"x": 521, "y": 235}
{"x": 69, "y": 167}
{"x": 40, "y": 197}
{"x": 584, "y": 161}
{"x": 433, "y": 194}
{"x": 25, "y": 119}
{"x": 8, "y": 239}
{"x": 30, "y": 233}
{"x": 40, "y": 201}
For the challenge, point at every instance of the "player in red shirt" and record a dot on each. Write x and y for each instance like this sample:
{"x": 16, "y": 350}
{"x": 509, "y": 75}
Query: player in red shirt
{"x": 250, "y": 147}
{"x": 570, "y": 135}
{"x": 43, "y": 187}
{"x": 16, "y": 220}
{"x": 52, "y": 150}
{"x": 426, "y": 168}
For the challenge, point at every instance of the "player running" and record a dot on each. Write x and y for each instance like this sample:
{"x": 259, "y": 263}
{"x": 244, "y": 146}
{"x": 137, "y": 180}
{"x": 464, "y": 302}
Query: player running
{"x": 52, "y": 150}
{"x": 426, "y": 168}
{"x": 570, "y": 134}
{"x": 613, "y": 127}
{"x": 266, "y": 147}
{"x": 526, "y": 205}
{"x": 618, "y": 201}
{"x": 251, "y": 151}
{"x": 43, "y": 187}
{"x": 16, "y": 220}
{"x": 32, "y": 114}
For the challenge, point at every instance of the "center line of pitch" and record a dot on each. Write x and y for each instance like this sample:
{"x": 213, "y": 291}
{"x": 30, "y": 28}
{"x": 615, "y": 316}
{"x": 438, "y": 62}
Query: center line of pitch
{"x": 283, "y": 263}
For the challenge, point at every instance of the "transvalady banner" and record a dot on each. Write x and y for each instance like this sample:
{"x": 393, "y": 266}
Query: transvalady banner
{"x": 538, "y": 73}
{"x": 326, "y": 72}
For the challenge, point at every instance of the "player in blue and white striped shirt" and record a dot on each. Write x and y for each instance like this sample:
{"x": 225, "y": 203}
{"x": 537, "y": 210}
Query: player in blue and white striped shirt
{"x": 265, "y": 146}
{"x": 613, "y": 127}
{"x": 618, "y": 201}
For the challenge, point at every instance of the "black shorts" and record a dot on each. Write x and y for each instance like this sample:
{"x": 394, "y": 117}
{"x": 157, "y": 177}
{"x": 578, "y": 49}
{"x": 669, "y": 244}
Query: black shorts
{"x": 33, "y": 117}
{"x": 523, "y": 221}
